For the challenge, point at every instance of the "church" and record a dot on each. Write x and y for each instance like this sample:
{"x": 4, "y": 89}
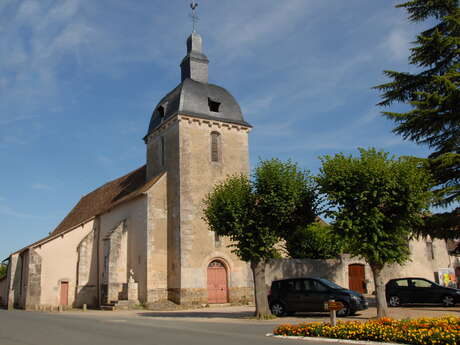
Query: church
{"x": 141, "y": 238}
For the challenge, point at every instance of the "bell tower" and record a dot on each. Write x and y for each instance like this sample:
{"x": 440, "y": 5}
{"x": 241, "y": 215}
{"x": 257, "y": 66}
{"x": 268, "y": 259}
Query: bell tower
{"x": 197, "y": 137}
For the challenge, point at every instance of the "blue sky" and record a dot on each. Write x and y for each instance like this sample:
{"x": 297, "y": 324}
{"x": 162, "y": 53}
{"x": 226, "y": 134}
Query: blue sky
{"x": 79, "y": 80}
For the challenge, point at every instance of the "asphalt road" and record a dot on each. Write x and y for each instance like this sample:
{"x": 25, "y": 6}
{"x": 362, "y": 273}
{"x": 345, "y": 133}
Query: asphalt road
{"x": 34, "y": 328}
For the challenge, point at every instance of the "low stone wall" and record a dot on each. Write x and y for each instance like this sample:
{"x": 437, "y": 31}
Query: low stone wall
{"x": 295, "y": 268}
{"x": 236, "y": 295}
{"x": 336, "y": 270}
{"x": 241, "y": 295}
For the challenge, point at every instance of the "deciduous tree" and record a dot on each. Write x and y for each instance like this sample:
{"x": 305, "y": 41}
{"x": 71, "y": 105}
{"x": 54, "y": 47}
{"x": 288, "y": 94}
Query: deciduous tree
{"x": 314, "y": 241}
{"x": 258, "y": 213}
{"x": 375, "y": 202}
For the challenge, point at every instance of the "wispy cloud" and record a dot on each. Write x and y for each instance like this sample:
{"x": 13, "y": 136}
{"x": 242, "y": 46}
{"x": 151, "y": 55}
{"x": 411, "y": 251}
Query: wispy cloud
{"x": 9, "y": 211}
{"x": 272, "y": 21}
{"x": 40, "y": 186}
{"x": 397, "y": 44}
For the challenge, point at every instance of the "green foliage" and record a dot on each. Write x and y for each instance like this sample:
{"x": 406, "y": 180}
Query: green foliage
{"x": 256, "y": 214}
{"x": 441, "y": 225}
{"x": 314, "y": 241}
{"x": 3, "y": 270}
{"x": 433, "y": 93}
{"x": 376, "y": 201}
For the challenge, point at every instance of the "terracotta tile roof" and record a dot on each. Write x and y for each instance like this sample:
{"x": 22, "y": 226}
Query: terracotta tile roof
{"x": 101, "y": 200}
{"x": 105, "y": 198}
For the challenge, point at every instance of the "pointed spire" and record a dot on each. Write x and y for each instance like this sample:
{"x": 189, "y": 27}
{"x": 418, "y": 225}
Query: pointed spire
{"x": 195, "y": 63}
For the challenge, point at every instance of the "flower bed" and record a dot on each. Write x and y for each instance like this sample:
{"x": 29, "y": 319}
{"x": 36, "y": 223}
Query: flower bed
{"x": 445, "y": 330}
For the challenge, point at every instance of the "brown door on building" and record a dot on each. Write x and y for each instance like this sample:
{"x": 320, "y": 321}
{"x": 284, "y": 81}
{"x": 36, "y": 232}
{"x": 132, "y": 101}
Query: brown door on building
{"x": 357, "y": 278}
{"x": 217, "y": 283}
{"x": 64, "y": 293}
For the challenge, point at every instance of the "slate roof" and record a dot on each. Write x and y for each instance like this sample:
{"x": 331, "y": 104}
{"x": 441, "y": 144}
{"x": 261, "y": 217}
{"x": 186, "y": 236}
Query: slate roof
{"x": 191, "y": 98}
{"x": 106, "y": 197}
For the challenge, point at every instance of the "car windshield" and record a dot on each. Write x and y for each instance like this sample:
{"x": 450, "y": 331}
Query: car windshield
{"x": 330, "y": 284}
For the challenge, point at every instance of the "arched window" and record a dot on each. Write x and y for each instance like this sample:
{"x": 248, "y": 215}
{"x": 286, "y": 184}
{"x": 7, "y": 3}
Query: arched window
{"x": 216, "y": 263}
{"x": 215, "y": 147}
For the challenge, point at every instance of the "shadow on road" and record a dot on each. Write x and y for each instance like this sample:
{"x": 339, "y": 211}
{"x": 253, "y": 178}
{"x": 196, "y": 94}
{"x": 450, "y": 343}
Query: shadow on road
{"x": 200, "y": 314}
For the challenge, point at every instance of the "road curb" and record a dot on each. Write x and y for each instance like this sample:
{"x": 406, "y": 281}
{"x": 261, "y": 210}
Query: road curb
{"x": 331, "y": 340}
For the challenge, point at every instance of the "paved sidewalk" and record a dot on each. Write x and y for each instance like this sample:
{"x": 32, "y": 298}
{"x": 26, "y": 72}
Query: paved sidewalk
{"x": 245, "y": 314}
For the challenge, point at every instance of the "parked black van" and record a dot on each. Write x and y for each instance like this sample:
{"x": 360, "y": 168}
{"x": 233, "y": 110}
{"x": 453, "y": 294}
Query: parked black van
{"x": 288, "y": 296}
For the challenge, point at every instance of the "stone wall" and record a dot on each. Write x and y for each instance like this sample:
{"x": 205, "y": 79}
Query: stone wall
{"x": 59, "y": 263}
{"x": 33, "y": 289}
{"x": 18, "y": 282}
{"x": 198, "y": 176}
{"x": 421, "y": 264}
{"x": 87, "y": 292}
{"x": 12, "y": 280}
{"x": 133, "y": 214}
{"x": 190, "y": 174}
{"x": 157, "y": 241}
{"x": 116, "y": 269}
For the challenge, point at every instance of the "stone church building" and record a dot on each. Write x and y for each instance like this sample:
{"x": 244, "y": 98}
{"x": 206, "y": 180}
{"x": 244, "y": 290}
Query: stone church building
{"x": 141, "y": 236}
{"x": 141, "y": 239}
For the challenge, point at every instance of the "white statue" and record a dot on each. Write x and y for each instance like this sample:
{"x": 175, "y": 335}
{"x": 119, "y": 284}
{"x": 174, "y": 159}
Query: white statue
{"x": 131, "y": 276}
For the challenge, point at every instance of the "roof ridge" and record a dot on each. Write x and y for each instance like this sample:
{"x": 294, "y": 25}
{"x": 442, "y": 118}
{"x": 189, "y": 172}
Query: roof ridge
{"x": 112, "y": 181}
{"x": 103, "y": 198}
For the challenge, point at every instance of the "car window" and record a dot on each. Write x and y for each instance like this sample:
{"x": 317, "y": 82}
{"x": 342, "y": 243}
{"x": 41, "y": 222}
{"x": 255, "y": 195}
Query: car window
{"x": 330, "y": 284}
{"x": 402, "y": 282}
{"x": 295, "y": 285}
{"x": 317, "y": 286}
{"x": 421, "y": 283}
{"x": 276, "y": 285}
{"x": 309, "y": 285}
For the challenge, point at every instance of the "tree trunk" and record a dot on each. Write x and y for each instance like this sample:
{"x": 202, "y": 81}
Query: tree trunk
{"x": 382, "y": 307}
{"x": 260, "y": 290}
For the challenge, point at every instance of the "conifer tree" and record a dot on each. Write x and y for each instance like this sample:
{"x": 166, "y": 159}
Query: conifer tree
{"x": 433, "y": 93}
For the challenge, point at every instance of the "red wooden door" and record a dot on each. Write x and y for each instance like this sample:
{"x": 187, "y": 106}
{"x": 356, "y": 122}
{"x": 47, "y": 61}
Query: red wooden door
{"x": 357, "y": 278}
{"x": 64, "y": 293}
{"x": 217, "y": 283}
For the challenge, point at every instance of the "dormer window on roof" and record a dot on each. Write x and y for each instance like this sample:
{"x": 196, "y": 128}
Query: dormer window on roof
{"x": 213, "y": 105}
{"x": 161, "y": 112}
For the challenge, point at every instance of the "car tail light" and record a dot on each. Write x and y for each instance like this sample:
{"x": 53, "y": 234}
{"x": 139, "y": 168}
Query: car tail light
{"x": 270, "y": 292}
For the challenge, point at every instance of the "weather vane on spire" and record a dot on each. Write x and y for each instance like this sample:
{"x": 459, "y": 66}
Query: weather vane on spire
{"x": 194, "y": 16}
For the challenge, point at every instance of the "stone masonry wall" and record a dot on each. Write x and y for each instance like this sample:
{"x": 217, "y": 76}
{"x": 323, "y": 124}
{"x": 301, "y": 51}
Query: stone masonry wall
{"x": 116, "y": 243}
{"x": 86, "y": 270}
{"x": 157, "y": 242}
{"x": 198, "y": 176}
{"x": 33, "y": 288}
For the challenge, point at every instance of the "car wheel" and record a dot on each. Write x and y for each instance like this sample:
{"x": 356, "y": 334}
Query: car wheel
{"x": 278, "y": 309}
{"x": 394, "y": 301}
{"x": 448, "y": 301}
{"x": 345, "y": 311}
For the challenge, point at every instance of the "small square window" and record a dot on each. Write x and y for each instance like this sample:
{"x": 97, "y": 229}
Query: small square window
{"x": 213, "y": 105}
